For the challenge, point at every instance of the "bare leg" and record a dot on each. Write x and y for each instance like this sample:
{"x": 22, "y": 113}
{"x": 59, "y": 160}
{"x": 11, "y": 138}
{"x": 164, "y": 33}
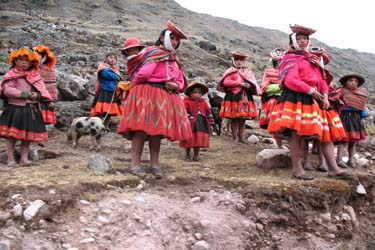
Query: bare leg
{"x": 25, "y": 147}
{"x": 154, "y": 145}
{"x": 329, "y": 154}
{"x": 106, "y": 121}
{"x": 278, "y": 142}
{"x": 234, "y": 128}
{"x": 241, "y": 129}
{"x": 10, "y": 150}
{"x": 305, "y": 155}
{"x": 295, "y": 152}
{"x": 138, "y": 142}
{"x": 322, "y": 160}
{"x": 340, "y": 154}
{"x": 196, "y": 154}
{"x": 351, "y": 147}
{"x": 187, "y": 156}
{"x": 340, "y": 151}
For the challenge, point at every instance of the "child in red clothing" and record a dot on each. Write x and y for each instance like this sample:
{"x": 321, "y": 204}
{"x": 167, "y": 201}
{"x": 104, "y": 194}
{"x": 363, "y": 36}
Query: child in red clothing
{"x": 200, "y": 117}
{"x": 21, "y": 119}
{"x": 47, "y": 72}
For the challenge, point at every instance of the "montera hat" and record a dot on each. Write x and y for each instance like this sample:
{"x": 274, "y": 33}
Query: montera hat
{"x": 131, "y": 42}
{"x": 343, "y": 80}
{"x": 175, "y": 30}
{"x": 51, "y": 58}
{"x": 31, "y": 55}
{"x": 277, "y": 53}
{"x": 239, "y": 55}
{"x": 298, "y": 29}
{"x": 193, "y": 84}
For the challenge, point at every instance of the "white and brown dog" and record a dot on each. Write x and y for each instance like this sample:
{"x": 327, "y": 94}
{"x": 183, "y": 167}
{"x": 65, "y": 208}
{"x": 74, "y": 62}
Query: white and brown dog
{"x": 92, "y": 126}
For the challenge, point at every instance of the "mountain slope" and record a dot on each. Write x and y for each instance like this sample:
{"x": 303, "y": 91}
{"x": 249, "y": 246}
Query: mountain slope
{"x": 76, "y": 29}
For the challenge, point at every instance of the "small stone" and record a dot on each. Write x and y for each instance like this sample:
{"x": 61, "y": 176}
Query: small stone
{"x": 259, "y": 227}
{"x": 87, "y": 240}
{"x": 195, "y": 199}
{"x": 198, "y": 236}
{"x": 201, "y": 245}
{"x": 84, "y": 202}
{"x": 126, "y": 202}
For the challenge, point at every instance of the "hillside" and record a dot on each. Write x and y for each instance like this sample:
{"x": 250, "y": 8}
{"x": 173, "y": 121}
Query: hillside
{"x": 80, "y": 32}
{"x": 225, "y": 201}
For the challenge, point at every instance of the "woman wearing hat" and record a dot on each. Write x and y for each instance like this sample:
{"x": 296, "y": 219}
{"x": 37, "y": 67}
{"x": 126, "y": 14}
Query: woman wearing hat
{"x": 351, "y": 114}
{"x": 106, "y": 104}
{"x": 21, "y": 119}
{"x": 239, "y": 84}
{"x": 302, "y": 109}
{"x": 270, "y": 90}
{"x": 200, "y": 117}
{"x": 154, "y": 109}
{"x": 47, "y": 72}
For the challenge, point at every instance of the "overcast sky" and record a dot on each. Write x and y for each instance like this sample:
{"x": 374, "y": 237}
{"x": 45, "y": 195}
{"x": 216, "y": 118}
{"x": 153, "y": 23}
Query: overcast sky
{"x": 343, "y": 24}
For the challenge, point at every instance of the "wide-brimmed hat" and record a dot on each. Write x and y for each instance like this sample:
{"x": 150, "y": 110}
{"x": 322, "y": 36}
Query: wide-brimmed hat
{"x": 193, "y": 84}
{"x": 175, "y": 30}
{"x": 298, "y": 29}
{"x": 239, "y": 55}
{"x": 31, "y": 55}
{"x": 343, "y": 80}
{"x": 131, "y": 42}
{"x": 277, "y": 53}
{"x": 51, "y": 58}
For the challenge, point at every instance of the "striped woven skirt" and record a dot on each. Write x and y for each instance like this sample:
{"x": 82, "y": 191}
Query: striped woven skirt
{"x": 106, "y": 102}
{"x": 300, "y": 113}
{"x": 266, "y": 111}
{"x": 355, "y": 131}
{"x": 152, "y": 109}
{"x": 201, "y": 136}
{"x": 240, "y": 105}
{"x": 48, "y": 114}
{"x": 23, "y": 123}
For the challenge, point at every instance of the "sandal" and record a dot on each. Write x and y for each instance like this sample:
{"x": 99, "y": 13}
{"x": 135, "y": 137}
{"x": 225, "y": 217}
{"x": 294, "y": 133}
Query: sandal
{"x": 187, "y": 158}
{"x": 342, "y": 164}
{"x": 196, "y": 158}
{"x": 322, "y": 168}
{"x": 307, "y": 166}
{"x": 138, "y": 172}
{"x": 28, "y": 164}
{"x": 12, "y": 164}
{"x": 342, "y": 175}
{"x": 304, "y": 177}
{"x": 350, "y": 164}
{"x": 156, "y": 171}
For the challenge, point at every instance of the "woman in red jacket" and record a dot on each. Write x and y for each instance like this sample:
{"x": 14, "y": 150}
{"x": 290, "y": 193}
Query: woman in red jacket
{"x": 240, "y": 85}
{"x": 303, "y": 110}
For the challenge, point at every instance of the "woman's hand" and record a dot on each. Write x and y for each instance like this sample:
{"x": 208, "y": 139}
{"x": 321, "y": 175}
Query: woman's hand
{"x": 317, "y": 96}
{"x": 325, "y": 103}
{"x": 33, "y": 96}
{"x": 171, "y": 86}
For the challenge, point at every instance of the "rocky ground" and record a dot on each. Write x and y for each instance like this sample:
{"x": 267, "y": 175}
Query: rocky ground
{"x": 223, "y": 202}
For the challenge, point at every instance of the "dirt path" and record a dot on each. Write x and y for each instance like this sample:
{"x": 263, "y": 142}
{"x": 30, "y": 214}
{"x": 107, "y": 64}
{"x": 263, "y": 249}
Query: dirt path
{"x": 223, "y": 202}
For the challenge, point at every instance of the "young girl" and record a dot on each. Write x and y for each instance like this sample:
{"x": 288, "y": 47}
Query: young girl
{"x": 351, "y": 113}
{"x": 47, "y": 72}
{"x": 106, "y": 104}
{"x": 200, "y": 117}
{"x": 270, "y": 91}
{"x": 240, "y": 85}
{"x": 154, "y": 109}
{"x": 21, "y": 119}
